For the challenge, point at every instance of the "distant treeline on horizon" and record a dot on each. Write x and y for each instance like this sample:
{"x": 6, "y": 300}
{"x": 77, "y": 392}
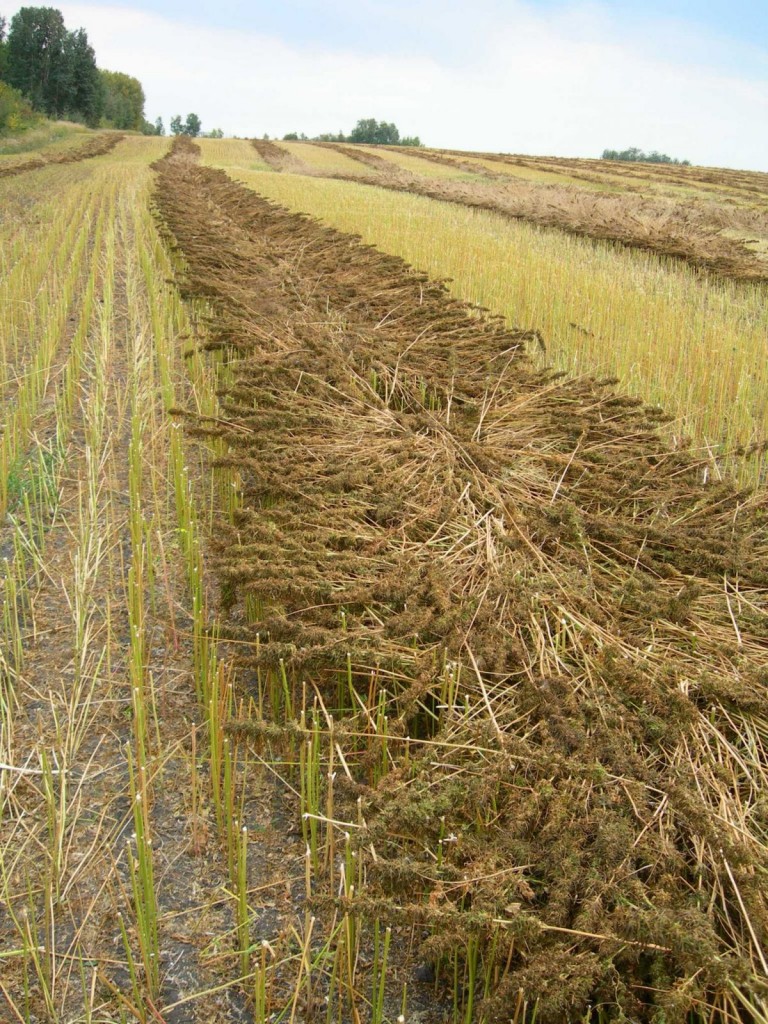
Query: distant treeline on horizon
{"x": 367, "y": 131}
{"x": 635, "y": 155}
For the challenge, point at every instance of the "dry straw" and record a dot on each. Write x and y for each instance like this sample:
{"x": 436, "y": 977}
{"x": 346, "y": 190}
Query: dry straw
{"x": 567, "y": 626}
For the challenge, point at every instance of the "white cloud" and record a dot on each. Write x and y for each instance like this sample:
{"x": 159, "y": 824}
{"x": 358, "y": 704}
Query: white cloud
{"x": 566, "y": 83}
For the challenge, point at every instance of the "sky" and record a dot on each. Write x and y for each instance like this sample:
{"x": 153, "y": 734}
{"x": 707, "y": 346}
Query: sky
{"x": 687, "y": 77}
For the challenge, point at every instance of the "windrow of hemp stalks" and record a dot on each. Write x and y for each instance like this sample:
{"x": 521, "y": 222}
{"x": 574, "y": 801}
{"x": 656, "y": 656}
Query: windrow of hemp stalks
{"x": 561, "y": 626}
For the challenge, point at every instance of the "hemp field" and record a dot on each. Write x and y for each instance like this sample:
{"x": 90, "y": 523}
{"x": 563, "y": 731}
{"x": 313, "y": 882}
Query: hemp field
{"x": 367, "y": 655}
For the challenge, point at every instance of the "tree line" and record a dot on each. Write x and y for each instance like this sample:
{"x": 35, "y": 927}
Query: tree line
{"x": 367, "y": 130}
{"x": 47, "y": 69}
{"x": 635, "y": 155}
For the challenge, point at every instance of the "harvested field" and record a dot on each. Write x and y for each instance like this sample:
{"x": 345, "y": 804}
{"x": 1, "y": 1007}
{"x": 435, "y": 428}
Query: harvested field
{"x": 704, "y": 235}
{"x": 460, "y": 162}
{"x": 516, "y": 646}
{"x": 278, "y": 157}
{"x": 231, "y": 153}
{"x": 695, "y": 344}
{"x": 305, "y": 157}
{"x": 97, "y": 145}
{"x": 403, "y": 158}
{"x": 664, "y": 228}
{"x": 752, "y": 182}
{"x": 354, "y": 665}
{"x": 360, "y": 154}
{"x": 643, "y": 174}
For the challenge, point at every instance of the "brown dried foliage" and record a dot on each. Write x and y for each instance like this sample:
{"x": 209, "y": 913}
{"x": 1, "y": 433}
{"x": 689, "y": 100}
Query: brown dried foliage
{"x": 279, "y": 158}
{"x": 361, "y": 155}
{"x": 600, "y": 772}
{"x": 688, "y": 230}
{"x": 96, "y": 146}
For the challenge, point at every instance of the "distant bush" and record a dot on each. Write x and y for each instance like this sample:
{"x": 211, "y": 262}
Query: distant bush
{"x": 16, "y": 114}
{"x": 634, "y": 155}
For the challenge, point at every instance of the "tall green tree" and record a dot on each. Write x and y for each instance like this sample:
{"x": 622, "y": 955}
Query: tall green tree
{"x": 192, "y": 126}
{"x": 375, "y": 132}
{"x": 37, "y": 58}
{"x": 3, "y": 33}
{"x": 85, "y": 97}
{"x": 122, "y": 101}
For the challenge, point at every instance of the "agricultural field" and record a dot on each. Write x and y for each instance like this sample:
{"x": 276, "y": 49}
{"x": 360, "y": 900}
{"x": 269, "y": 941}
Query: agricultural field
{"x": 50, "y": 136}
{"x": 369, "y": 650}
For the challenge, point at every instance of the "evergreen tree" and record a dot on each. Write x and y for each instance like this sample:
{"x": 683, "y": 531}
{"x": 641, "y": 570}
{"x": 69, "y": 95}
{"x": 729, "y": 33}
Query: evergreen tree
{"x": 56, "y": 72}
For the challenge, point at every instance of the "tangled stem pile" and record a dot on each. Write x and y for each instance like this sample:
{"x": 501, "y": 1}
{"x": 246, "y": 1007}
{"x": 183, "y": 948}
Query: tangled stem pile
{"x": 567, "y": 624}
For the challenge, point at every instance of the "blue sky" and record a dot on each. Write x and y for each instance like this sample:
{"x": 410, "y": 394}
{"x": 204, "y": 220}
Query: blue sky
{"x": 397, "y": 26}
{"x": 410, "y": 27}
{"x": 689, "y": 77}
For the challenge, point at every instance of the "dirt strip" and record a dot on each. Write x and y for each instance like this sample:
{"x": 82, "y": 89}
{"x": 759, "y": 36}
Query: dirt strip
{"x": 567, "y": 626}
{"x": 103, "y": 143}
